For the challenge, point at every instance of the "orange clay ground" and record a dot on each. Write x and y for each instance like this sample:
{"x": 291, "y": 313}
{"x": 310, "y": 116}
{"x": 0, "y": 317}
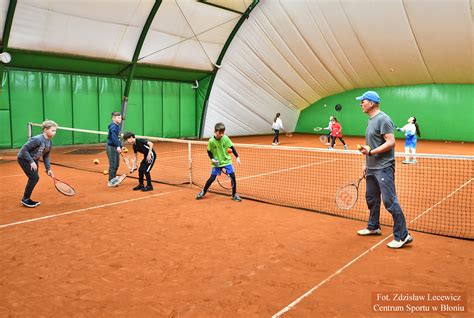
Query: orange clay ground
{"x": 112, "y": 252}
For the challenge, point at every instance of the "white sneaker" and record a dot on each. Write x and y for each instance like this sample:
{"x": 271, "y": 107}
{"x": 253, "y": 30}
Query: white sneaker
{"x": 406, "y": 161}
{"x": 112, "y": 183}
{"x": 398, "y": 244}
{"x": 274, "y": 144}
{"x": 345, "y": 147}
{"x": 366, "y": 232}
{"x": 413, "y": 161}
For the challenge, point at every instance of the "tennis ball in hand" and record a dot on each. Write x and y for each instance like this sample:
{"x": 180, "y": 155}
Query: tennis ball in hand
{"x": 229, "y": 150}
{"x": 105, "y": 172}
{"x": 359, "y": 147}
{"x": 96, "y": 161}
{"x": 125, "y": 149}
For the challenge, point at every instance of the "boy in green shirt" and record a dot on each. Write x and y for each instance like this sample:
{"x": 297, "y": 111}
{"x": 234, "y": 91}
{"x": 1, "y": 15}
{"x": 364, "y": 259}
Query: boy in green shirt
{"x": 217, "y": 151}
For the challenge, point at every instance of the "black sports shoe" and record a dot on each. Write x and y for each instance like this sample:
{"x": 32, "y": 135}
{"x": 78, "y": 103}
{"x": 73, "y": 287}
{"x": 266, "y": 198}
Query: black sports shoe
{"x": 147, "y": 188}
{"x": 30, "y": 203}
{"x": 138, "y": 187}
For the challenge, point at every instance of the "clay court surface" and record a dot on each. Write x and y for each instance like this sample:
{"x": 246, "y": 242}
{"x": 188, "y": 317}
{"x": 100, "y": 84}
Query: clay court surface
{"x": 114, "y": 252}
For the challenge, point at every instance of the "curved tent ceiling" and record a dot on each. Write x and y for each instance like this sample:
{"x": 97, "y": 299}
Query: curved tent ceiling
{"x": 184, "y": 34}
{"x": 287, "y": 54}
{"x": 290, "y": 54}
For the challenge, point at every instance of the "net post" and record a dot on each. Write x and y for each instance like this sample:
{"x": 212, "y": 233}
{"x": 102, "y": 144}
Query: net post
{"x": 30, "y": 130}
{"x": 190, "y": 164}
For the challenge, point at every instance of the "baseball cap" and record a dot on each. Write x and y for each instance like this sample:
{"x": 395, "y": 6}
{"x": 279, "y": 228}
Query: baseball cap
{"x": 370, "y": 95}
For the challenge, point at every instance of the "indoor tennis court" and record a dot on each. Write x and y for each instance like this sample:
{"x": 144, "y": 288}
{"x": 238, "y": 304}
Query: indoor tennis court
{"x": 313, "y": 94}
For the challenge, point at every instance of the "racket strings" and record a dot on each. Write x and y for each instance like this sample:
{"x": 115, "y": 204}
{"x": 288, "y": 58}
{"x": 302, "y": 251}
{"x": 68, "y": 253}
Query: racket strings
{"x": 64, "y": 188}
{"x": 346, "y": 197}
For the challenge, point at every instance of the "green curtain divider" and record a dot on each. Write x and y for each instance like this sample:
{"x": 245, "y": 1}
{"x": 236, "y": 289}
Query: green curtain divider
{"x": 5, "y": 134}
{"x": 85, "y": 105}
{"x": 443, "y": 111}
{"x": 4, "y": 95}
{"x": 187, "y": 110}
{"x": 156, "y": 108}
{"x": 171, "y": 109}
{"x": 134, "y": 119}
{"x": 58, "y": 104}
{"x": 110, "y": 98}
{"x": 200, "y": 98}
{"x": 26, "y": 98}
{"x": 153, "y": 108}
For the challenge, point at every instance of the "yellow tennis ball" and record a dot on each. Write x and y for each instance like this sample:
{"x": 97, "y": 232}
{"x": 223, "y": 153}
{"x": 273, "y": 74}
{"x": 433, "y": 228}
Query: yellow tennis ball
{"x": 105, "y": 172}
{"x": 359, "y": 147}
{"x": 367, "y": 147}
{"x": 96, "y": 161}
{"x": 125, "y": 149}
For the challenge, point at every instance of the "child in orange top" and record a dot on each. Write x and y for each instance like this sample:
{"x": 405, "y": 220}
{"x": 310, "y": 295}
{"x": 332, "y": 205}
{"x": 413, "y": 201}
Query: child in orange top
{"x": 336, "y": 132}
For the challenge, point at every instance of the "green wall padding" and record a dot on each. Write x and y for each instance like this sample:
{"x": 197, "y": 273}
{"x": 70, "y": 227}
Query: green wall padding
{"x": 110, "y": 100}
{"x": 443, "y": 111}
{"x": 26, "y": 96}
{"x": 171, "y": 110}
{"x": 4, "y": 96}
{"x": 200, "y": 98}
{"x": 5, "y": 135}
{"x": 187, "y": 111}
{"x": 58, "y": 104}
{"x": 153, "y": 108}
{"x": 134, "y": 116}
{"x": 85, "y": 104}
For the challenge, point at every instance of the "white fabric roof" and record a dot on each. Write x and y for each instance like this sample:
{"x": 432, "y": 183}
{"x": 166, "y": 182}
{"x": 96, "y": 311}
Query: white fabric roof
{"x": 291, "y": 53}
{"x": 3, "y": 16}
{"x": 184, "y": 33}
{"x": 286, "y": 56}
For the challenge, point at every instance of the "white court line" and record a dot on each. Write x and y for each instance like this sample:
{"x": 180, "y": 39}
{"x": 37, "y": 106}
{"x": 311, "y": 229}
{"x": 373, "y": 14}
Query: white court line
{"x": 13, "y": 175}
{"x": 309, "y": 292}
{"x": 284, "y": 170}
{"x": 85, "y": 209}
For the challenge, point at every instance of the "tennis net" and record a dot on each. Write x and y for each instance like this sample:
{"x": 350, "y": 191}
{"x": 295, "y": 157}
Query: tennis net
{"x": 435, "y": 194}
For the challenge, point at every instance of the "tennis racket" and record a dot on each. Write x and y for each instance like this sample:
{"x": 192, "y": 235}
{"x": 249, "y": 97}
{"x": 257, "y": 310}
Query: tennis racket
{"x": 224, "y": 180}
{"x": 131, "y": 164}
{"x": 346, "y": 197}
{"x": 288, "y": 133}
{"x": 63, "y": 187}
{"x": 318, "y": 128}
{"x": 119, "y": 179}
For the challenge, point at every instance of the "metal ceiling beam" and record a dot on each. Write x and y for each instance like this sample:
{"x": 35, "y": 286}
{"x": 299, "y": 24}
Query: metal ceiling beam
{"x": 220, "y": 7}
{"x": 244, "y": 17}
{"x": 138, "y": 49}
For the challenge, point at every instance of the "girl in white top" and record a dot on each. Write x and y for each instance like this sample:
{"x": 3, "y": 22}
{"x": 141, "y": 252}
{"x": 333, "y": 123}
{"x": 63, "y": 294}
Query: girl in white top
{"x": 276, "y": 126}
{"x": 411, "y": 130}
{"x": 329, "y": 127}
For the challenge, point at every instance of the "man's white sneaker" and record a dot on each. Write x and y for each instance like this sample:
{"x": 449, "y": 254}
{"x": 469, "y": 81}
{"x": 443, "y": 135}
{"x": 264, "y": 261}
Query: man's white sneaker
{"x": 398, "y": 244}
{"x": 366, "y": 232}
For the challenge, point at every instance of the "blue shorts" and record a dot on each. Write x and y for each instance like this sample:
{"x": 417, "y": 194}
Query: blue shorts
{"x": 216, "y": 171}
{"x": 410, "y": 142}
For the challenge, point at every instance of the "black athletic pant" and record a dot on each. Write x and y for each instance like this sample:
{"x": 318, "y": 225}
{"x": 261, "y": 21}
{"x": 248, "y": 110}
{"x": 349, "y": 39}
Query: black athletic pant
{"x": 333, "y": 141}
{"x": 33, "y": 177}
{"x": 212, "y": 178}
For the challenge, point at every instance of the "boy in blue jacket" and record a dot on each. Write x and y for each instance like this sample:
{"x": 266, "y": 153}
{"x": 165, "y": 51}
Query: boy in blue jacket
{"x": 114, "y": 147}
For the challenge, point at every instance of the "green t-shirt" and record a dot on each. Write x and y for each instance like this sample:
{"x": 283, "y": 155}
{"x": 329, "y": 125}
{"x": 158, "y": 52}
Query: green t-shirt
{"x": 218, "y": 148}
